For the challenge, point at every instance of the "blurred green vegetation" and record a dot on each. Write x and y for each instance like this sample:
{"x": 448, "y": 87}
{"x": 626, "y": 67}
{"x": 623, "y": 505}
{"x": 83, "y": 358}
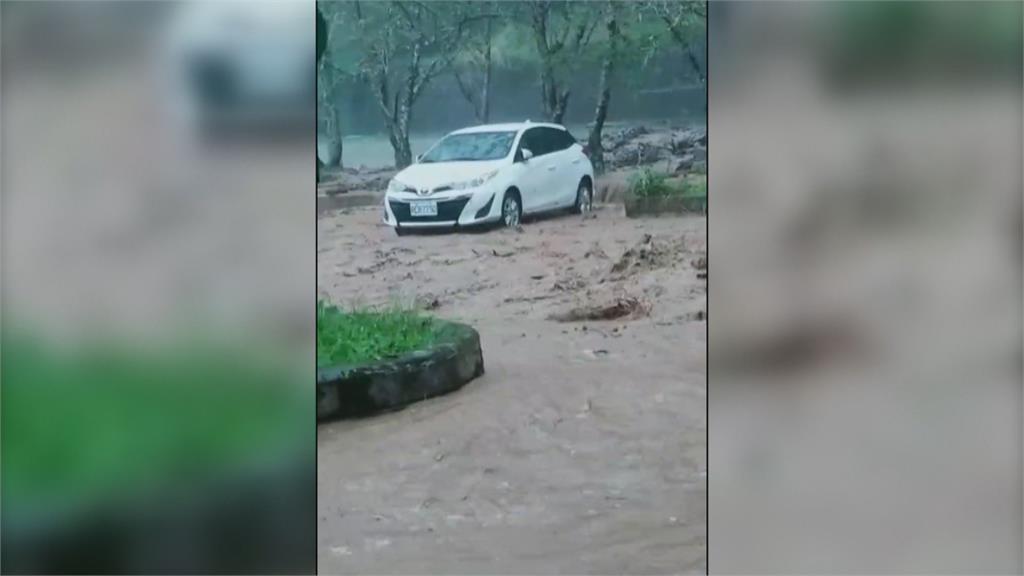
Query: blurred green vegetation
{"x": 886, "y": 38}
{"x": 106, "y": 420}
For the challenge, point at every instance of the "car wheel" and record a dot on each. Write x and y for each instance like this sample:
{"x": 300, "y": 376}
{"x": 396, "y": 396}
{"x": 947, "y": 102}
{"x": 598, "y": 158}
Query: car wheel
{"x": 584, "y": 198}
{"x": 511, "y": 210}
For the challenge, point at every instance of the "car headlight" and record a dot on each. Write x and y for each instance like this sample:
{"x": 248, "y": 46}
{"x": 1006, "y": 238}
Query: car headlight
{"x": 478, "y": 181}
{"x": 396, "y": 186}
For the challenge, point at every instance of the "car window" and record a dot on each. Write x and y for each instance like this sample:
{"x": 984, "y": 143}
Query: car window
{"x": 560, "y": 139}
{"x": 545, "y": 140}
{"x": 534, "y": 141}
{"x": 471, "y": 146}
{"x": 549, "y": 137}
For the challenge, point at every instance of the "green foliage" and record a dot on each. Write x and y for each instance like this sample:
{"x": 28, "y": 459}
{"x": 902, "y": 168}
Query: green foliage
{"x": 513, "y": 46}
{"x": 344, "y": 51}
{"x": 366, "y": 335}
{"x": 109, "y": 420}
{"x": 873, "y": 37}
{"x": 356, "y": 27}
{"x": 648, "y": 183}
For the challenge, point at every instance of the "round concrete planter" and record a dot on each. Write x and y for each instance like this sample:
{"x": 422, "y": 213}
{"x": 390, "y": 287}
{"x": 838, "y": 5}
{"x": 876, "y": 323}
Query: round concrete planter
{"x": 363, "y": 389}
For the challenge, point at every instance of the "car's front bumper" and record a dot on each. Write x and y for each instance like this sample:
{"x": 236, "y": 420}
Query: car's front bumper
{"x": 466, "y": 208}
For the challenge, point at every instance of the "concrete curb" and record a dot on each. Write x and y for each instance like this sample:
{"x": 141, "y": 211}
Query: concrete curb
{"x": 360, "y": 390}
{"x": 326, "y": 204}
{"x": 638, "y": 207}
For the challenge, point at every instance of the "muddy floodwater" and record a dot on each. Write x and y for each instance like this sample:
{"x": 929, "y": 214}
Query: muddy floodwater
{"x": 583, "y": 447}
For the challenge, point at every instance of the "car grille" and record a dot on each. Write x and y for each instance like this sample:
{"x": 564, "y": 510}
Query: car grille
{"x": 447, "y": 211}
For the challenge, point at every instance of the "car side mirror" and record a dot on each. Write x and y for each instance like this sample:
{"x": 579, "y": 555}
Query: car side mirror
{"x": 419, "y": 157}
{"x": 527, "y": 154}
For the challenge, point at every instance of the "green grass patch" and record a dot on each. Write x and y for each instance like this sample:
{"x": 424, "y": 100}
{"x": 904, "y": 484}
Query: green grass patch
{"x": 648, "y": 183}
{"x": 359, "y": 336}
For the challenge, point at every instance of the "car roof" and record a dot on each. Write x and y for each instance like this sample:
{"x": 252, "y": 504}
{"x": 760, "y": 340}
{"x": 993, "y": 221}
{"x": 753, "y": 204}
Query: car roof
{"x": 506, "y": 127}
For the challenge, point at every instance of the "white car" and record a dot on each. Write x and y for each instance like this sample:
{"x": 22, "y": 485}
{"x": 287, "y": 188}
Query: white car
{"x": 490, "y": 174}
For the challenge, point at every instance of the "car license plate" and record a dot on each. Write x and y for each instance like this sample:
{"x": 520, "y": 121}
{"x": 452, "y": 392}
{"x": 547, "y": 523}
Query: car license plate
{"x": 426, "y": 208}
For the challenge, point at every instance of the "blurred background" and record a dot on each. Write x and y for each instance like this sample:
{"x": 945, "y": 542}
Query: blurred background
{"x": 865, "y": 400}
{"x": 865, "y": 311}
{"x": 158, "y": 281}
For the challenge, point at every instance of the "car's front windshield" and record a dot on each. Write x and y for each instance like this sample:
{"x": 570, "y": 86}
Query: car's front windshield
{"x": 472, "y": 146}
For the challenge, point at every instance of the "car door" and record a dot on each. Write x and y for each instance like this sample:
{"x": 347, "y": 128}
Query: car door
{"x": 534, "y": 178}
{"x": 556, "y": 175}
{"x": 566, "y": 158}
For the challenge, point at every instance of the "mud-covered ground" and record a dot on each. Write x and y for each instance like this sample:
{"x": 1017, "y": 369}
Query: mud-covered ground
{"x": 583, "y": 447}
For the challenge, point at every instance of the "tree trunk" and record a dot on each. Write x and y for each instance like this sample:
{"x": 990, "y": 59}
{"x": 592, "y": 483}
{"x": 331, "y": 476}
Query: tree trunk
{"x": 548, "y": 93}
{"x": 560, "y": 105}
{"x": 553, "y": 101}
{"x": 403, "y": 153}
{"x": 600, "y": 114}
{"x": 485, "y": 91}
{"x": 400, "y": 139}
{"x": 336, "y": 136}
{"x": 695, "y": 64}
{"x": 701, "y": 75}
{"x": 603, "y": 99}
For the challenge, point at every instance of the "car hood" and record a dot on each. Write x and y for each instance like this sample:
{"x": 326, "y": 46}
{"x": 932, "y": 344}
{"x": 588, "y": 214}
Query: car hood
{"x": 434, "y": 174}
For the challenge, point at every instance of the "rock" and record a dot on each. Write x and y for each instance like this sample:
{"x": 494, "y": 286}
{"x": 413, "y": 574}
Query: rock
{"x": 683, "y": 140}
{"x": 612, "y": 140}
{"x": 636, "y": 154}
{"x": 657, "y": 140}
{"x": 681, "y": 164}
{"x": 634, "y": 131}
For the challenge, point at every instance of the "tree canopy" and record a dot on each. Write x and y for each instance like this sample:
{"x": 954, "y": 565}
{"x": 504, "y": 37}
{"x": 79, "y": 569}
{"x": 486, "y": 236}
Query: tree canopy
{"x": 393, "y": 51}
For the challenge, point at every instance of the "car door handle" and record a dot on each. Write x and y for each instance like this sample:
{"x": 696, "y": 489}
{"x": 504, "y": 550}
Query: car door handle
{"x": 552, "y": 168}
{"x": 576, "y": 161}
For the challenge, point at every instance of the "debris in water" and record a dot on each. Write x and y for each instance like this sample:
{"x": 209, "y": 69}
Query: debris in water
{"x": 595, "y": 251}
{"x": 649, "y": 254}
{"x": 619, "y": 308}
{"x": 569, "y": 285}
